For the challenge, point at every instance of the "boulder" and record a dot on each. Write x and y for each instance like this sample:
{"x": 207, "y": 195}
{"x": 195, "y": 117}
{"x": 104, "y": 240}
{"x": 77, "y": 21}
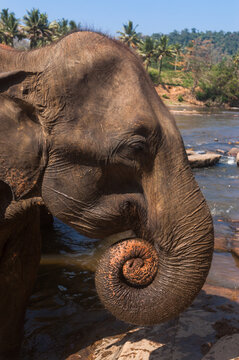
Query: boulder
{"x": 214, "y": 314}
{"x": 190, "y": 152}
{"x": 221, "y": 244}
{"x": 220, "y": 151}
{"x": 202, "y": 160}
{"x": 233, "y": 152}
{"x": 225, "y": 348}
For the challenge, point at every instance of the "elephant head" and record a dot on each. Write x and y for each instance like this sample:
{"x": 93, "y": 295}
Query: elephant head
{"x": 91, "y": 136}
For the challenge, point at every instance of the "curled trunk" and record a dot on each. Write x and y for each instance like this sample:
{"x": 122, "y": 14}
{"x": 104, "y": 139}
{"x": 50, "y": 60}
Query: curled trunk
{"x": 143, "y": 286}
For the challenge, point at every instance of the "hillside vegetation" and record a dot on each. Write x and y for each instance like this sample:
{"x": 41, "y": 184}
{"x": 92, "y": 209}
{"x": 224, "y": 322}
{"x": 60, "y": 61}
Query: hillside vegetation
{"x": 224, "y": 43}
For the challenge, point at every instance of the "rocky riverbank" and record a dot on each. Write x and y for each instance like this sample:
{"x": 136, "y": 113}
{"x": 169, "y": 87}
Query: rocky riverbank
{"x": 209, "y": 329}
{"x": 209, "y": 158}
{"x": 177, "y": 95}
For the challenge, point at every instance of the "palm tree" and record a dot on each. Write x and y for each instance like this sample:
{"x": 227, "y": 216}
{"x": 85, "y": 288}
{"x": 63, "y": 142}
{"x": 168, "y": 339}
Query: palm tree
{"x": 73, "y": 26}
{"x": 62, "y": 27}
{"x": 37, "y": 28}
{"x": 163, "y": 50}
{"x": 177, "y": 52}
{"x": 129, "y": 35}
{"x": 9, "y": 28}
{"x": 147, "y": 50}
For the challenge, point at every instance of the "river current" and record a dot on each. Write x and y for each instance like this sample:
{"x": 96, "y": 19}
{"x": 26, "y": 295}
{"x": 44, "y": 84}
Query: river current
{"x": 64, "y": 305}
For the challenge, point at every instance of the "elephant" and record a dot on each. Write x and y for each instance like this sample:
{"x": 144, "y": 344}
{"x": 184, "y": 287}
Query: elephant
{"x": 84, "y": 133}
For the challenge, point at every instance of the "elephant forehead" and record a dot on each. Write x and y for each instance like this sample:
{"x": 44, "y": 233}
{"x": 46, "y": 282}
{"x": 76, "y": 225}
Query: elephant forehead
{"x": 100, "y": 64}
{"x": 103, "y": 136}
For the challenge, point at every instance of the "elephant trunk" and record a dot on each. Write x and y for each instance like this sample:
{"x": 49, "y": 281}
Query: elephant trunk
{"x": 143, "y": 287}
{"x": 150, "y": 281}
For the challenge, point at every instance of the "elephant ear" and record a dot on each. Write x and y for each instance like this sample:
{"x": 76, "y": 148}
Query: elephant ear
{"x": 22, "y": 149}
{"x": 17, "y": 83}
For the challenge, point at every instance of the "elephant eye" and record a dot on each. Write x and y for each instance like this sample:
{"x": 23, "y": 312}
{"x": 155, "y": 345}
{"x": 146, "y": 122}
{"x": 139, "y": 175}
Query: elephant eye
{"x": 132, "y": 149}
{"x": 137, "y": 143}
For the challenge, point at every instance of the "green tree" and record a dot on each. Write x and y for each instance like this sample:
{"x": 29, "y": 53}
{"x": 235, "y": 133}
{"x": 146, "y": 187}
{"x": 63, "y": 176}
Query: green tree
{"x": 220, "y": 84}
{"x": 146, "y": 49}
{"x": 162, "y": 50}
{"x": 129, "y": 35}
{"x": 9, "y": 28}
{"x": 177, "y": 51}
{"x": 37, "y": 28}
{"x": 62, "y": 27}
{"x": 198, "y": 59}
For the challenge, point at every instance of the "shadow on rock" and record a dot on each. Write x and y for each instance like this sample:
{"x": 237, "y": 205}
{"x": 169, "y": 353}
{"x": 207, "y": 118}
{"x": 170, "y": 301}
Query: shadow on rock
{"x": 190, "y": 336}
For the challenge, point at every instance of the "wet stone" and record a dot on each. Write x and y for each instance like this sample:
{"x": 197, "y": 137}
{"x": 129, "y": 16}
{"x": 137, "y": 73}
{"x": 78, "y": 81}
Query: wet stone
{"x": 220, "y": 244}
{"x": 220, "y": 151}
{"x": 233, "y": 151}
{"x": 202, "y": 160}
{"x": 226, "y": 348}
{"x": 224, "y": 271}
{"x": 235, "y": 243}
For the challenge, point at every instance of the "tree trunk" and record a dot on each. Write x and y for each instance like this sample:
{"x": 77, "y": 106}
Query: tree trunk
{"x": 160, "y": 66}
{"x": 176, "y": 60}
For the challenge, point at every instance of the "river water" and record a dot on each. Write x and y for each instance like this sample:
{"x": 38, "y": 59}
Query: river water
{"x": 64, "y": 306}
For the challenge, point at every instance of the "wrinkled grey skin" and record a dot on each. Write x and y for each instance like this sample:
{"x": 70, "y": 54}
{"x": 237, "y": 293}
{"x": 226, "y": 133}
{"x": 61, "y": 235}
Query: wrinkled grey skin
{"x": 83, "y": 129}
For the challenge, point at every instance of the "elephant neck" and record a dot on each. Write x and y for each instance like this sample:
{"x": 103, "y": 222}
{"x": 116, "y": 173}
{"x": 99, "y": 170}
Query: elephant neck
{"x": 12, "y": 59}
{"x": 7, "y": 59}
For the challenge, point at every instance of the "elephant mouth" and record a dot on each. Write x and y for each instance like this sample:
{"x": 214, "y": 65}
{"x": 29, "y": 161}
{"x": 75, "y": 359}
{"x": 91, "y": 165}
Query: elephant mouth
{"x": 124, "y": 235}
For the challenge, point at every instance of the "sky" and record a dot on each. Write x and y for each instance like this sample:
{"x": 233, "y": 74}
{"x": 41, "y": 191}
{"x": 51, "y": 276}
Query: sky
{"x": 151, "y": 16}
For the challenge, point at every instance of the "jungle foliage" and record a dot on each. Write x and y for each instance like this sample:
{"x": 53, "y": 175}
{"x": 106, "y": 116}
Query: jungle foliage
{"x": 34, "y": 26}
{"x": 227, "y": 43}
{"x": 220, "y": 84}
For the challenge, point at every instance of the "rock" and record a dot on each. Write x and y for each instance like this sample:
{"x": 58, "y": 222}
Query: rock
{"x": 233, "y": 152}
{"x": 220, "y": 244}
{"x": 190, "y": 152}
{"x": 220, "y": 151}
{"x": 213, "y": 314}
{"x": 237, "y": 159}
{"x": 235, "y": 250}
{"x": 137, "y": 344}
{"x": 234, "y": 243}
{"x": 203, "y": 160}
{"x": 224, "y": 272}
{"x": 225, "y": 348}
